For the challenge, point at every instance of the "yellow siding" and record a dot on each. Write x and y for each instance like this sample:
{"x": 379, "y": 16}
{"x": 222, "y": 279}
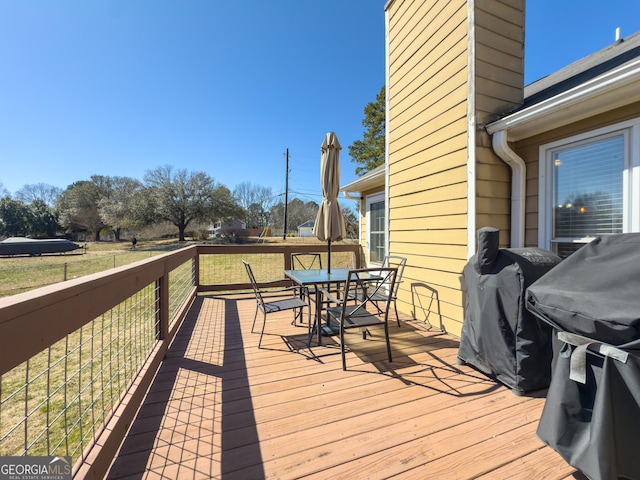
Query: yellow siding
{"x": 435, "y": 181}
{"x": 499, "y": 63}
{"x": 440, "y": 195}
{"x": 484, "y": 220}
{"x": 363, "y": 226}
{"x": 427, "y": 133}
{"x": 436, "y": 163}
{"x": 428, "y": 96}
{"x": 499, "y": 78}
{"x": 440, "y": 252}
{"x": 443, "y": 221}
{"x": 419, "y": 212}
{"x": 429, "y": 151}
{"x": 441, "y": 101}
{"x": 433, "y": 237}
{"x": 416, "y": 39}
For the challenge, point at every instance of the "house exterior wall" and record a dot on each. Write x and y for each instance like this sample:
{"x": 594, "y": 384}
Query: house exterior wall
{"x": 427, "y": 149}
{"x": 498, "y": 89}
{"x": 529, "y": 150}
{"x": 448, "y": 71}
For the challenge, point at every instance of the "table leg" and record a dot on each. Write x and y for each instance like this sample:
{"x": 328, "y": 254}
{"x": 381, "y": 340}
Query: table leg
{"x": 319, "y": 315}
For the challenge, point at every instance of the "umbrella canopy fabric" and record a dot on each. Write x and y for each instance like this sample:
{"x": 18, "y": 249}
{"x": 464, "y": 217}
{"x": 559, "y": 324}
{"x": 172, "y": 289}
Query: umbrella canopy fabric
{"x": 329, "y": 226}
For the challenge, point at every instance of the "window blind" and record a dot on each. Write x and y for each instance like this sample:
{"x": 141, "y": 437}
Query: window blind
{"x": 587, "y": 189}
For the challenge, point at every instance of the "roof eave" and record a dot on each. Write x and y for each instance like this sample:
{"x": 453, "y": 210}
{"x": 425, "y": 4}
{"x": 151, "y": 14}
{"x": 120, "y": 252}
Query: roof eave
{"x": 370, "y": 180}
{"x": 611, "y": 90}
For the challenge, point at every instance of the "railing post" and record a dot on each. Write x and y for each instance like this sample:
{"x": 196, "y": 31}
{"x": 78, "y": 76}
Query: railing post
{"x": 196, "y": 270}
{"x": 358, "y": 258}
{"x": 162, "y": 299}
{"x": 287, "y": 258}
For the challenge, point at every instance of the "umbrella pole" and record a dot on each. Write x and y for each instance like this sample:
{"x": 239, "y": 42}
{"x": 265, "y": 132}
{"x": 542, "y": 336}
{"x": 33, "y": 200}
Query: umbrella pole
{"x": 329, "y": 256}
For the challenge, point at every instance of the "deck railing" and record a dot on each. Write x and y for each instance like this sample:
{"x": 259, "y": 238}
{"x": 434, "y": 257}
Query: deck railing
{"x": 78, "y": 356}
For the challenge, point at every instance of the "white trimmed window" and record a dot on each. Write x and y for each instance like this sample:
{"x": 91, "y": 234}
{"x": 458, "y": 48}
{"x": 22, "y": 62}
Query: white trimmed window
{"x": 375, "y": 228}
{"x": 589, "y": 186}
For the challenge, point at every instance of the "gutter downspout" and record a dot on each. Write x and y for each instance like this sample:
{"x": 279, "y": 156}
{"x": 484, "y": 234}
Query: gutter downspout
{"x": 471, "y": 129}
{"x": 387, "y": 49}
{"x": 518, "y": 186}
{"x": 351, "y": 197}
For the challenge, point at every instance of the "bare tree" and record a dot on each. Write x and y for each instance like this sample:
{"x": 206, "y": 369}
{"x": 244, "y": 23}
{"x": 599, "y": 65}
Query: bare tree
{"x": 351, "y": 223}
{"x": 257, "y": 202}
{"x": 298, "y": 212}
{"x": 48, "y": 194}
{"x": 4, "y": 193}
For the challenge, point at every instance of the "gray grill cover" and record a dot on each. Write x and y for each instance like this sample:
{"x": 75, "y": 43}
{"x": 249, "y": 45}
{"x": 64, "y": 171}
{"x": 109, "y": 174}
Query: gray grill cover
{"x": 499, "y": 336}
{"x": 592, "y": 412}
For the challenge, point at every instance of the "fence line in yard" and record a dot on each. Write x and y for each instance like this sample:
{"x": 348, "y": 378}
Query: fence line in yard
{"x": 18, "y": 279}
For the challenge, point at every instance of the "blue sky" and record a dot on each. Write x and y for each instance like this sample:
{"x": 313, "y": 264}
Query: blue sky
{"x": 119, "y": 87}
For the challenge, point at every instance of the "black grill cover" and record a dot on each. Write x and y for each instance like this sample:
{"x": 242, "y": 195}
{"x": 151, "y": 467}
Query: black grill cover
{"x": 500, "y": 337}
{"x": 592, "y": 412}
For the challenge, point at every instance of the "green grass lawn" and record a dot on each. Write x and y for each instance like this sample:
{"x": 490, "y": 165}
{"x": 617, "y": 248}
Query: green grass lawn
{"x": 23, "y": 273}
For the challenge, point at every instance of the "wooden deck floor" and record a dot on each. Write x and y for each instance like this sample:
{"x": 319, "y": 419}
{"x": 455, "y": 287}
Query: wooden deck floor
{"x": 222, "y": 408}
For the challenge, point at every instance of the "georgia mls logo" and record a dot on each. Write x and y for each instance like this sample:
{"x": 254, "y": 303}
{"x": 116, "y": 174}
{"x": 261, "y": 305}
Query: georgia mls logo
{"x": 35, "y": 468}
{"x": 60, "y": 466}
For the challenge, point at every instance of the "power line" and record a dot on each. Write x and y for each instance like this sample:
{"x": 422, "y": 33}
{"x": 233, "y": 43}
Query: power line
{"x": 286, "y": 196}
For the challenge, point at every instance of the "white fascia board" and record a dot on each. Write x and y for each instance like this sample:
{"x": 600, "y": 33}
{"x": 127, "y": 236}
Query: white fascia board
{"x": 611, "y": 90}
{"x": 372, "y": 179}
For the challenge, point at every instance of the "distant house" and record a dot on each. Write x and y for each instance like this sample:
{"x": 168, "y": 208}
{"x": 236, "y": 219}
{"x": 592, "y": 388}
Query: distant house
{"x": 468, "y": 145}
{"x": 306, "y": 229}
{"x": 221, "y": 228}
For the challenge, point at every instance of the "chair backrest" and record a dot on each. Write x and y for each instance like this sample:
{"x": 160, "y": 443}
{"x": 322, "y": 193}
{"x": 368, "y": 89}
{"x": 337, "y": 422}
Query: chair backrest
{"x": 254, "y": 284}
{"x": 306, "y": 261}
{"x": 393, "y": 261}
{"x": 374, "y": 285}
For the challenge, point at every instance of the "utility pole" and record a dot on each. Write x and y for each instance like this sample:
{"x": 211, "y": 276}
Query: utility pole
{"x": 286, "y": 195}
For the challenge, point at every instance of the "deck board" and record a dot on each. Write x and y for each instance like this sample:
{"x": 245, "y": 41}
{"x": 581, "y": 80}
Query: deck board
{"x": 220, "y": 407}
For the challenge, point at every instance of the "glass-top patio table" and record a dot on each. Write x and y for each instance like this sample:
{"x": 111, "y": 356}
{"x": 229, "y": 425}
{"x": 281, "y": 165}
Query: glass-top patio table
{"x": 318, "y": 278}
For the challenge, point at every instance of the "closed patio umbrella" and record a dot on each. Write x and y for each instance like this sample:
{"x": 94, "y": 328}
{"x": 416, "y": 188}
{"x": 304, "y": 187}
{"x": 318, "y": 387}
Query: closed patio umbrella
{"x": 329, "y": 226}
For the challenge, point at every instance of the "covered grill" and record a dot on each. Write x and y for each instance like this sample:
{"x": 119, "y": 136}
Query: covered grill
{"x": 592, "y": 412}
{"x": 500, "y": 337}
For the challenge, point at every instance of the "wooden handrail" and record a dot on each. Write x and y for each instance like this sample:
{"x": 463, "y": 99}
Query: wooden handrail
{"x": 33, "y": 321}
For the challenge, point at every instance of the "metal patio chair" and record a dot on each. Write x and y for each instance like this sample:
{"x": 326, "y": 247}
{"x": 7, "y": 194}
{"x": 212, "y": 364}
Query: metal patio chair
{"x": 294, "y": 302}
{"x": 367, "y": 309}
{"x": 306, "y": 261}
{"x": 390, "y": 261}
{"x": 393, "y": 261}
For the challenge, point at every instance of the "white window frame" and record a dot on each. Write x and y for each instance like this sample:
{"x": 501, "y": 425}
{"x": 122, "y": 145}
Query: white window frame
{"x": 630, "y": 177}
{"x": 371, "y": 199}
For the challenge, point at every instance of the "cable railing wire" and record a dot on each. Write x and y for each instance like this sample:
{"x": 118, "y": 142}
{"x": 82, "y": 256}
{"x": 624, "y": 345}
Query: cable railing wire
{"x": 57, "y": 402}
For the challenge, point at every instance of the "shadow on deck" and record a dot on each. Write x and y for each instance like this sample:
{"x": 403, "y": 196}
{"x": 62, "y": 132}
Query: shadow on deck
{"x": 220, "y": 407}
